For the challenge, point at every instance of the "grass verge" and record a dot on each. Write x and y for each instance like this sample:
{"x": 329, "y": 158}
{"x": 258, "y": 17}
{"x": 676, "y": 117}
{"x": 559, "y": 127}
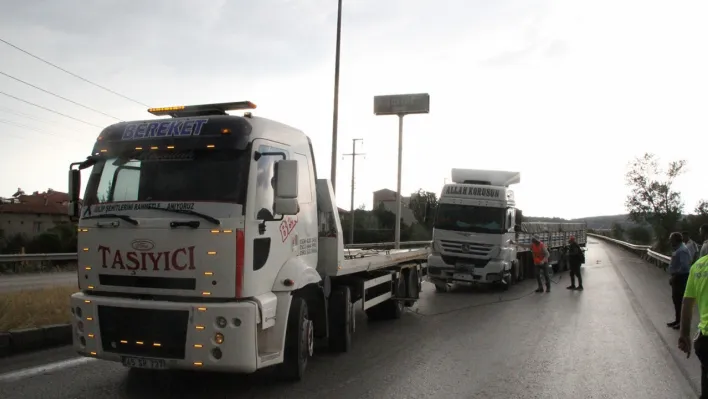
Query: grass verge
{"x": 35, "y": 308}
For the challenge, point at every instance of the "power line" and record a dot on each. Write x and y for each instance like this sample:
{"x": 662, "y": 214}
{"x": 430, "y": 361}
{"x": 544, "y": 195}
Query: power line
{"x": 28, "y": 116}
{"x": 11, "y": 123}
{"x": 50, "y": 110}
{"x": 73, "y": 74}
{"x": 58, "y": 96}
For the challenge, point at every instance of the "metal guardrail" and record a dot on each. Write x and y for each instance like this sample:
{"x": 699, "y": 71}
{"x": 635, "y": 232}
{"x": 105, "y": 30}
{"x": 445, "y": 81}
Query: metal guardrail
{"x": 73, "y": 256}
{"x": 643, "y": 249}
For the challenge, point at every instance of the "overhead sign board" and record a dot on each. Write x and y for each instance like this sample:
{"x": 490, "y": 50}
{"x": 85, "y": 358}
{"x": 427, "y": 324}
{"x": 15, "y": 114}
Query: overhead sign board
{"x": 402, "y": 104}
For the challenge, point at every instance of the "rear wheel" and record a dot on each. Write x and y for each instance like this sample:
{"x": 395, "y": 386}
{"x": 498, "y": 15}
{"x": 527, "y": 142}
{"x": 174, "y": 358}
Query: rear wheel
{"x": 299, "y": 341}
{"x": 341, "y": 320}
{"x": 412, "y": 286}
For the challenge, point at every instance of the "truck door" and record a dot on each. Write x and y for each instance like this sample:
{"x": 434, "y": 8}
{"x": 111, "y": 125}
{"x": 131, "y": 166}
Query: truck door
{"x": 268, "y": 236}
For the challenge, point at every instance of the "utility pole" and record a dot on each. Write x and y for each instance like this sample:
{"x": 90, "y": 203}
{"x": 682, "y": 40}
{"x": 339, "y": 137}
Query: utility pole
{"x": 335, "y": 112}
{"x": 354, "y": 154}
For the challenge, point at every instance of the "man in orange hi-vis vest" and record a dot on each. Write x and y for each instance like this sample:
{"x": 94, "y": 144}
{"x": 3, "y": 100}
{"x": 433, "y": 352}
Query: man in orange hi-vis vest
{"x": 540, "y": 259}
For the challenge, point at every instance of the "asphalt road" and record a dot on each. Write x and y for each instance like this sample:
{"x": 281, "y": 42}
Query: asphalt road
{"x": 609, "y": 341}
{"x": 10, "y": 283}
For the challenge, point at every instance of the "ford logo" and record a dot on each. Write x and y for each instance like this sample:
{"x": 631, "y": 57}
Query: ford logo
{"x": 142, "y": 245}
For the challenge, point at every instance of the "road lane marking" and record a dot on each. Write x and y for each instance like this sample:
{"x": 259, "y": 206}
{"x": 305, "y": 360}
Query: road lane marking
{"x": 45, "y": 368}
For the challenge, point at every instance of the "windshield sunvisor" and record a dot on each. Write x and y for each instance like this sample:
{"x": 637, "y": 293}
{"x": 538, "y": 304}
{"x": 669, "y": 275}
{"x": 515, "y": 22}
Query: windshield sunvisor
{"x": 193, "y": 133}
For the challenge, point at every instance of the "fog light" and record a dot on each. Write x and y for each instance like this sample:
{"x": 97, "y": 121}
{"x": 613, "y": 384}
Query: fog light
{"x": 237, "y": 322}
{"x": 221, "y": 322}
{"x": 80, "y": 326}
{"x": 216, "y": 352}
{"x": 219, "y": 338}
{"x": 79, "y": 312}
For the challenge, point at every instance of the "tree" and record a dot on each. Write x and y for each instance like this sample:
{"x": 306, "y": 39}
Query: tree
{"x": 423, "y": 205}
{"x": 617, "y": 231}
{"x": 640, "y": 235}
{"x": 702, "y": 208}
{"x": 652, "y": 198}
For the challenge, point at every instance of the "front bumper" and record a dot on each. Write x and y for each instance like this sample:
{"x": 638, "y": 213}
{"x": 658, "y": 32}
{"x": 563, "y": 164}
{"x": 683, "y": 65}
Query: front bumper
{"x": 439, "y": 271}
{"x": 180, "y": 335}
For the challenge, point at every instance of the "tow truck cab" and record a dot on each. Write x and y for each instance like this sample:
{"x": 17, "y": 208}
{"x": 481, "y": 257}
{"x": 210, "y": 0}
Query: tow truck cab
{"x": 193, "y": 232}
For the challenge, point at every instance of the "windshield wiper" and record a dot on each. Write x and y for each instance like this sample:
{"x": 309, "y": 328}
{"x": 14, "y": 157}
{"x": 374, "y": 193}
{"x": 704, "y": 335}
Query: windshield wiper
{"x": 190, "y": 212}
{"x": 113, "y": 215}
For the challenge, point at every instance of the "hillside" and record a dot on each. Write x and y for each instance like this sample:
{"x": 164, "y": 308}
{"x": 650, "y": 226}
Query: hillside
{"x": 594, "y": 222}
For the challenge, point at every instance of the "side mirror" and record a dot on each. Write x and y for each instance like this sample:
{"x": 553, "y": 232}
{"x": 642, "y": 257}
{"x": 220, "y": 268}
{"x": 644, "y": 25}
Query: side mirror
{"x": 519, "y": 217}
{"x": 74, "y": 190}
{"x": 286, "y": 179}
{"x": 286, "y": 206}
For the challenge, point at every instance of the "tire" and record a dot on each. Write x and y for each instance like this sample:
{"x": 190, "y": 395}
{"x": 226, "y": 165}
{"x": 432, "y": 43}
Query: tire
{"x": 341, "y": 323}
{"x": 299, "y": 341}
{"x": 441, "y": 289}
{"x": 412, "y": 286}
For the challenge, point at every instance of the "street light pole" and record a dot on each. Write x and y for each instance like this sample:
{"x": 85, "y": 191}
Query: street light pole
{"x": 335, "y": 112}
{"x": 398, "y": 184}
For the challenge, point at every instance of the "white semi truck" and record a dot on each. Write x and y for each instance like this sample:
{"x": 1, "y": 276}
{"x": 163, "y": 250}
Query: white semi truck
{"x": 206, "y": 241}
{"x": 475, "y": 223}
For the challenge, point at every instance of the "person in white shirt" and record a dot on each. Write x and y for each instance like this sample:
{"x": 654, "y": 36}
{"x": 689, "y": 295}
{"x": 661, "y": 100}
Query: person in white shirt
{"x": 704, "y": 236}
{"x": 693, "y": 249}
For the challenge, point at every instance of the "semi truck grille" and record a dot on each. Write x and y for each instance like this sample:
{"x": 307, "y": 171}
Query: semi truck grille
{"x": 143, "y": 332}
{"x": 466, "y": 248}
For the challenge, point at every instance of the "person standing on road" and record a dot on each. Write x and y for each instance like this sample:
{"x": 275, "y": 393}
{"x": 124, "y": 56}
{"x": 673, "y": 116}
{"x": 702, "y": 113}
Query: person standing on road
{"x": 575, "y": 259}
{"x": 540, "y": 260}
{"x": 704, "y": 236}
{"x": 696, "y": 291}
{"x": 679, "y": 269}
{"x": 693, "y": 249}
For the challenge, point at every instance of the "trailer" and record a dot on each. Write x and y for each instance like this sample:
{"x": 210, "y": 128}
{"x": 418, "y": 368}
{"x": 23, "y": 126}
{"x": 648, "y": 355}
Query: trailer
{"x": 207, "y": 242}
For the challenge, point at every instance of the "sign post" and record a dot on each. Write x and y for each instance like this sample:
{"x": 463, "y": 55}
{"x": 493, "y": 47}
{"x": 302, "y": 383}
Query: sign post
{"x": 401, "y": 105}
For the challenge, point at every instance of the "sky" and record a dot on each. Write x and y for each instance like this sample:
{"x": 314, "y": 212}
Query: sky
{"x": 566, "y": 92}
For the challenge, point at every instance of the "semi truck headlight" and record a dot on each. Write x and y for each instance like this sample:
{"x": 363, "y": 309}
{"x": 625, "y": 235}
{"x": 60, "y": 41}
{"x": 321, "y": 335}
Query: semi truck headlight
{"x": 221, "y": 322}
{"x": 436, "y": 248}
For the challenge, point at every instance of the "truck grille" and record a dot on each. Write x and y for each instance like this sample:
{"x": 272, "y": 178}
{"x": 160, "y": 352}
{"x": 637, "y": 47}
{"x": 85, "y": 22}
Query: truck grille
{"x": 465, "y": 248}
{"x": 143, "y": 332}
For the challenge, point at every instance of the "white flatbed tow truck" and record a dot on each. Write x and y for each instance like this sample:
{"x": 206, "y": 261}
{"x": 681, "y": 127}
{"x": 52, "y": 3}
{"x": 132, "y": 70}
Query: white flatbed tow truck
{"x": 206, "y": 241}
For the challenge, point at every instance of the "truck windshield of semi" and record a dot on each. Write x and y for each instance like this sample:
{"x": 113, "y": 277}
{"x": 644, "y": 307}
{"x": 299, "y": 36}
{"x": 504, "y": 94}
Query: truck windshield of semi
{"x": 471, "y": 219}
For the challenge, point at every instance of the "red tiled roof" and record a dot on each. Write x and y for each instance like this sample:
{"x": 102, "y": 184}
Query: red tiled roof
{"x": 36, "y": 208}
{"x": 47, "y": 203}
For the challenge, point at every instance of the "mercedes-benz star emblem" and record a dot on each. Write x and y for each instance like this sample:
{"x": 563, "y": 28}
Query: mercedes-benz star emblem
{"x": 465, "y": 247}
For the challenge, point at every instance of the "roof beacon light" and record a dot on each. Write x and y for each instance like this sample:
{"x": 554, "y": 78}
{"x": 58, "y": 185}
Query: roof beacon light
{"x": 182, "y": 111}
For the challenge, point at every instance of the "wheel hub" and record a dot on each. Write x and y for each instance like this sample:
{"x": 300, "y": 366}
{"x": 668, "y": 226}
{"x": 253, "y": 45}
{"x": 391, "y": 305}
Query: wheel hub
{"x": 309, "y": 336}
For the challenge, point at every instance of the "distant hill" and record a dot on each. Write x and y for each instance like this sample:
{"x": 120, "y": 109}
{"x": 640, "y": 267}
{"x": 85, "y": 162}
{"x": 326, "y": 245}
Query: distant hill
{"x": 594, "y": 222}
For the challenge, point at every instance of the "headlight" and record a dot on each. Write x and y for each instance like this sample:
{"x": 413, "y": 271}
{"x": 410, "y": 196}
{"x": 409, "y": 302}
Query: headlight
{"x": 496, "y": 253}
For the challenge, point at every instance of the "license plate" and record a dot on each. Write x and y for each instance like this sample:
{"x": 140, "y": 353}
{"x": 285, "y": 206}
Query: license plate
{"x": 464, "y": 277}
{"x": 144, "y": 363}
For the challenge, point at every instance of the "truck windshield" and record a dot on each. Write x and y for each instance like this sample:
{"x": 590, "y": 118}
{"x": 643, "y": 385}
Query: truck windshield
{"x": 471, "y": 219}
{"x": 217, "y": 176}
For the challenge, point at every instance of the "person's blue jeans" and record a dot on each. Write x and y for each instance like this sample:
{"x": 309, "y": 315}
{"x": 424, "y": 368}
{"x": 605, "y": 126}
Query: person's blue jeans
{"x": 543, "y": 268}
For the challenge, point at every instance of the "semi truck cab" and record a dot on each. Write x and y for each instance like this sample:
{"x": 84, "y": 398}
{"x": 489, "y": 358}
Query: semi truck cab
{"x": 475, "y": 221}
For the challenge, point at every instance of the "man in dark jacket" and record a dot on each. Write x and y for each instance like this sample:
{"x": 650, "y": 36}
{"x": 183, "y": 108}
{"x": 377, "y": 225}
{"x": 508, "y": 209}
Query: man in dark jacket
{"x": 575, "y": 259}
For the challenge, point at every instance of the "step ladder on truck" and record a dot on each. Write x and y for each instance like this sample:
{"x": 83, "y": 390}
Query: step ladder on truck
{"x": 476, "y": 225}
{"x": 206, "y": 241}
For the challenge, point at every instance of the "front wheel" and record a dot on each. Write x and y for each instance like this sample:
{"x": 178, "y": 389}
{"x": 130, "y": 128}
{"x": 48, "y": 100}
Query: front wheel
{"x": 299, "y": 341}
